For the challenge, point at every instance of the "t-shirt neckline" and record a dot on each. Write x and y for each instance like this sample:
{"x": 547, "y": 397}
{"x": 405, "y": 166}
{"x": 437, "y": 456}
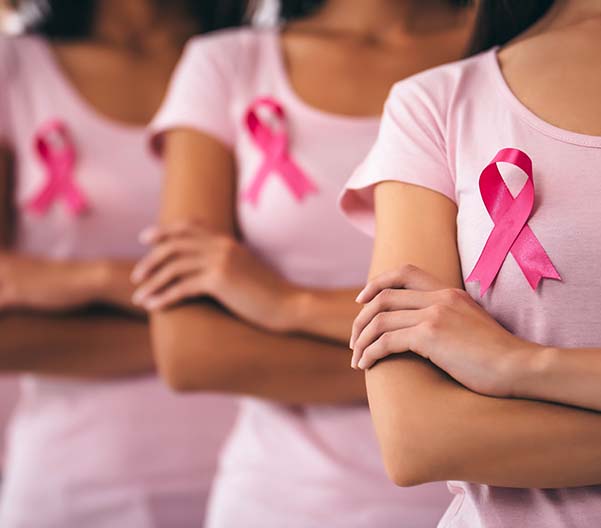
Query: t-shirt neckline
{"x": 528, "y": 115}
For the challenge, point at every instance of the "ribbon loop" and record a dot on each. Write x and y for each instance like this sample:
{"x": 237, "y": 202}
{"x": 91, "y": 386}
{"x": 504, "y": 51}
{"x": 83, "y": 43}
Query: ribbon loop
{"x": 511, "y": 233}
{"x": 273, "y": 141}
{"x": 56, "y": 151}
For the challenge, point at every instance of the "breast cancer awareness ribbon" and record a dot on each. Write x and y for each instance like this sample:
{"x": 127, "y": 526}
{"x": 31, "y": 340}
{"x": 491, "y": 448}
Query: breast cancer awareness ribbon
{"x": 511, "y": 233}
{"x": 273, "y": 141}
{"x": 56, "y": 151}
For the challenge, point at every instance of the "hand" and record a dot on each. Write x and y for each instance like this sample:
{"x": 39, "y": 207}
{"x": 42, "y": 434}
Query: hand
{"x": 39, "y": 284}
{"x": 409, "y": 310}
{"x": 188, "y": 260}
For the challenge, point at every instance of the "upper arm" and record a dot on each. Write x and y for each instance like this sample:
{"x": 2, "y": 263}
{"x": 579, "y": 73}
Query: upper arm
{"x": 417, "y": 226}
{"x": 199, "y": 185}
{"x": 199, "y": 180}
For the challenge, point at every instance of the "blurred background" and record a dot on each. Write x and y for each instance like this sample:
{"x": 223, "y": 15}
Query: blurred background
{"x": 12, "y": 22}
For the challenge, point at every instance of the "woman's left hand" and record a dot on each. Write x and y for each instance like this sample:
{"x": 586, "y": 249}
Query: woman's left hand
{"x": 443, "y": 325}
{"x": 188, "y": 260}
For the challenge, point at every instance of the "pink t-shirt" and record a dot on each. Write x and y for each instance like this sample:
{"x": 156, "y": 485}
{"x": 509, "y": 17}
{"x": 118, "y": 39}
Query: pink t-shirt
{"x": 440, "y": 129}
{"x": 9, "y": 390}
{"x": 122, "y": 453}
{"x": 292, "y": 466}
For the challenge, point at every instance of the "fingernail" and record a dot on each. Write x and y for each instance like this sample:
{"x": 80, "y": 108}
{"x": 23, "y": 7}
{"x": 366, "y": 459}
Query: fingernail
{"x": 138, "y": 298}
{"x": 360, "y": 296}
{"x": 146, "y": 235}
{"x": 151, "y": 304}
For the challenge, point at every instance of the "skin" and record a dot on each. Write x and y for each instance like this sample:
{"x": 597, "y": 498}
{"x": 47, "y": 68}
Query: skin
{"x": 196, "y": 252}
{"x": 416, "y": 302}
{"x": 48, "y": 309}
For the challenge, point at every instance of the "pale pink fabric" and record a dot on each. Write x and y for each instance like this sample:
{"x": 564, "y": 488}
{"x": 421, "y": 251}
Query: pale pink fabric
{"x": 440, "y": 129}
{"x": 9, "y": 390}
{"x": 292, "y": 466}
{"x": 123, "y": 453}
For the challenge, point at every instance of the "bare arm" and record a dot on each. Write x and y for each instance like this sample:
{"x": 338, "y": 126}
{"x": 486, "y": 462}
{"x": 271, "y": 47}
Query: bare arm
{"x": 564, "y": 375}
{"x": 431, "y": 428}
{"x": 200, "y": 346}
{"x": 86, "y": 345}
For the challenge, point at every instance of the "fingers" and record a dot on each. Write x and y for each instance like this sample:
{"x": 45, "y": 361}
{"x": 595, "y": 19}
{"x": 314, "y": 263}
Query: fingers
{"x": 409, "y": 277}
{"x": 383, "y": 323}
{"x": 185, "y": 289}
{"x": 161, "y": 254}
{"x": 389, "y": 300}
{"x": 395, "y": 342}
{"x": 174, "y": 270}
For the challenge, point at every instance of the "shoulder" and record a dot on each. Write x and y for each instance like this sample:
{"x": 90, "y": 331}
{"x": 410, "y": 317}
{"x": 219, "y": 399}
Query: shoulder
{"x": 17, "y": 54}
{"x": 439, "y": 90}
{"x": 233, "y": 45}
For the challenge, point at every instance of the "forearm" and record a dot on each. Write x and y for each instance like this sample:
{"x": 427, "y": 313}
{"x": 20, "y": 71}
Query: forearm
{"x": 328, "y": 314}
{"x": 200, "y": 347}
{"x": 565, "y": 375}
{"x": 431, "y": 429}
{"x": 88, "y": 345}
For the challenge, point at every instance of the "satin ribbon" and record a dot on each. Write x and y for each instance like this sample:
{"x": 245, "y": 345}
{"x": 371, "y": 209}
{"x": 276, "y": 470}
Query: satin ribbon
{"x": 273, "y": 141}
{"x": 511, "y": 233}
{"x": 56, "y": 151}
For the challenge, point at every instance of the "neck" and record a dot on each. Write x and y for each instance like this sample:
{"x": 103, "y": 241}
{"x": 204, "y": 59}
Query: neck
{"x": 388, "y": 19}
{"x": 142, "y": 25}
{"x": 569, "y": 12}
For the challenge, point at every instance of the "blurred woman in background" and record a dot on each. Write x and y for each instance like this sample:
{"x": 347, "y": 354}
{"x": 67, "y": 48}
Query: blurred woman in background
{"x": 259, "y": 131}
{"x": 97, "y": 441}
{"x": 508, "y": 173}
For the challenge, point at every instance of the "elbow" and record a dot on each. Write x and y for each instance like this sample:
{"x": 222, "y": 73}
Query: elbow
{"x": 173, "y": 368}
{"x": 181, "y": 363}
{"x": 407, "y": 465}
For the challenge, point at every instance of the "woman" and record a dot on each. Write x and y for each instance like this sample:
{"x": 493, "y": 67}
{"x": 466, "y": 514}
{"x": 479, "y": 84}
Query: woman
{"x": 96, "y": 441}
{"x": 257, "y": 133}
{"x": 507, "y": 171}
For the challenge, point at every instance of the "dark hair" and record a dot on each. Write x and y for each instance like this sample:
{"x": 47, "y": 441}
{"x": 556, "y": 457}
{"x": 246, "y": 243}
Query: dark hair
{"x": 499, "y": 21}
{"x": 292, "y": 9}
{"x": 73, "y": 19}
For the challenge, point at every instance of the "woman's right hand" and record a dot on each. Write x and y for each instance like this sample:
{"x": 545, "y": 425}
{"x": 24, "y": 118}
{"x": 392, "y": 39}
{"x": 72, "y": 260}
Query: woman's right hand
{"x": 188, "y": 260}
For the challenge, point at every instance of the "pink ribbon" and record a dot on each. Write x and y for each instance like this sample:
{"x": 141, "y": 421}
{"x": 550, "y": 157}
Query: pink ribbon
{"x": 57, "y": 152}
{"x": 273, "y": 142}
{"x": 511, "y": 233}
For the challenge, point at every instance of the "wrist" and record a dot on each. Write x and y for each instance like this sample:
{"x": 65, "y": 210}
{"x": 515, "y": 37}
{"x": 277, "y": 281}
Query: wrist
{"x": 293, "y": 310}
{"x": 534, "y": 366}
{"x": 95, "y": 278}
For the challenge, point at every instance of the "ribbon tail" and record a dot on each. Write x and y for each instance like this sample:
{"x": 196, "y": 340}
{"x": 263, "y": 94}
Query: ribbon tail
{"x": 298, "y": 183}
{"x": 482, "y": 274}
{"x": 533, "y": 259}
{"x": 253, "y": 191}
{"x": 40, "y": 203}
{"x": 496, "y": 249}
{"x": 75, "y": 199}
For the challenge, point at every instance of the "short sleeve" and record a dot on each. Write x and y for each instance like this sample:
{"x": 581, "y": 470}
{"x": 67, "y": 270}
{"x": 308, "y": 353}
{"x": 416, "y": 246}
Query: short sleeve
{"x": 410, "y": 148}
{"x": 200, "y": 91}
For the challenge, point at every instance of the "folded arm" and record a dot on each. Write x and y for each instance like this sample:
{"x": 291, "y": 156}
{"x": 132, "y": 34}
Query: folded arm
{"x": 201, "y": 346}
{"x": 430, "y": 427}
{"x": 47, "y": 322}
